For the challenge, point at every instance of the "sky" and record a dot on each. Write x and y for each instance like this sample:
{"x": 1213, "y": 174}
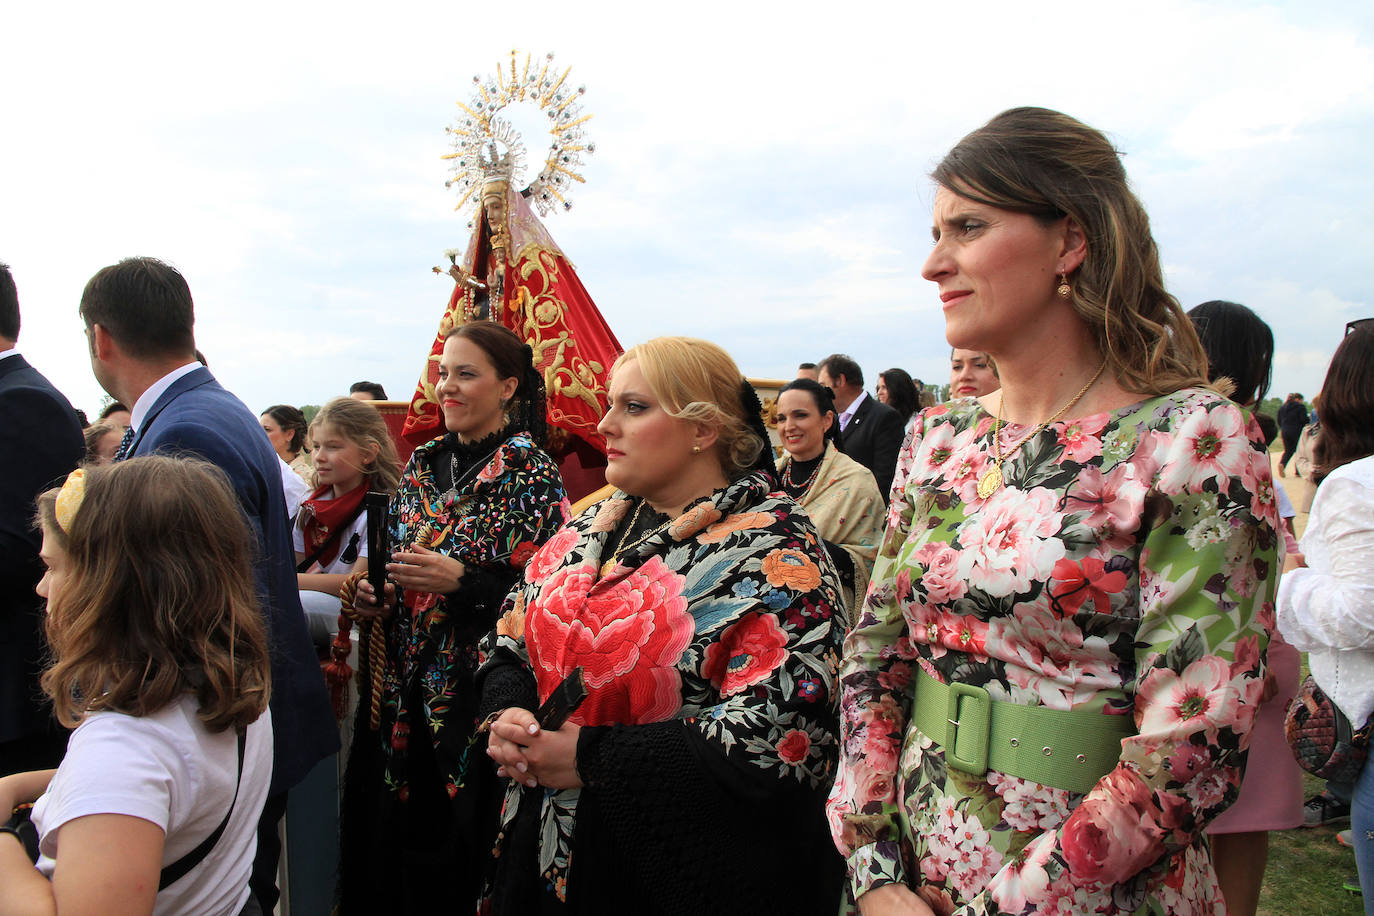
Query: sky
{"x": 760, "y": 177}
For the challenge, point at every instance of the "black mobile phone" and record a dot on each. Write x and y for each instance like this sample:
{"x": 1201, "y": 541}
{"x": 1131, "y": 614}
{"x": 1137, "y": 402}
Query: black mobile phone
{"x": 378, "y": 541}
{"x": 566, "y": 697}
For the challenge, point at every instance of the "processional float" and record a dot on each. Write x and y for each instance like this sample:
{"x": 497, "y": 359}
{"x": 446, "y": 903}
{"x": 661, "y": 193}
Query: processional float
{"x": 513, "y": 272}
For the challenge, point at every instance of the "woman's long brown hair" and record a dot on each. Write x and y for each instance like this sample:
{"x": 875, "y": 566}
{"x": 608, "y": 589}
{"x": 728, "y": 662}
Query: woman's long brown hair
{"x": 158, "y": 599}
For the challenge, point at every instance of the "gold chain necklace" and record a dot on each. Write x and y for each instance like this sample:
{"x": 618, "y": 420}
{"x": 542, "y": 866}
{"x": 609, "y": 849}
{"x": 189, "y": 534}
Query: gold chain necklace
{"x": 991, "y": 481}
{"x": 620, "y": 548}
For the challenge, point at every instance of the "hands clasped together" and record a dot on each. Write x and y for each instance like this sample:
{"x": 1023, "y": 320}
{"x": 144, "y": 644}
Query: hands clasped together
{"x": 531, "y": 755}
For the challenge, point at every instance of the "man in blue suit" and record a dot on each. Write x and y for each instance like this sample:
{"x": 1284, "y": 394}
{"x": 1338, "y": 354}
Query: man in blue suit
{"x": 40, "y": 443}
{"x": 139, "y": 316}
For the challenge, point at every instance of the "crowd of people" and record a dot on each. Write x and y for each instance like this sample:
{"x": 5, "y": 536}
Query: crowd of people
{"x": 1004, "y": 653}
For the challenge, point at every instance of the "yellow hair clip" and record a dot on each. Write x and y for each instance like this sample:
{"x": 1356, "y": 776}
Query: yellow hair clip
{"x": 69, "y": 499}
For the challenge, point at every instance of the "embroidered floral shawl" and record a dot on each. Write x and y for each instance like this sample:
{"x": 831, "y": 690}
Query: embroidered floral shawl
{"x": 728, "y": 618}
{"x": 847, "y": 508}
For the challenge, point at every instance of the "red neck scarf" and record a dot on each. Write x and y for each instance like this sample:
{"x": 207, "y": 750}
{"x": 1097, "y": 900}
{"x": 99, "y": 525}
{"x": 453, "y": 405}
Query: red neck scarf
{"x": 323, "y": 516}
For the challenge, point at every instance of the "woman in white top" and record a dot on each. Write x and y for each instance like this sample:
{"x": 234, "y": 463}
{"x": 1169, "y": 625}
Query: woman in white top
{"x": 1326, "y": 606}
{"x": 160, "y": 664}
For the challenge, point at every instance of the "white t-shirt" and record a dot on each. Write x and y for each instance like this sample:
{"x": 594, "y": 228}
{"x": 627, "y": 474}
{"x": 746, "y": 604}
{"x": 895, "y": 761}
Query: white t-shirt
{"x": 338, "y": 564}
{"x": 169, "y": 769}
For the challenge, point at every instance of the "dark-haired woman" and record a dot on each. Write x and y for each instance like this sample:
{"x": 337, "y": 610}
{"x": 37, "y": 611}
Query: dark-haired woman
{"x": 1051, "y": 686}
{"x": 838, "y": 493}
{"x": 286, "y": 430}
{"x": 1240, "y": 350}
{"x": 471, "y": 509}
{"x": 898, "y": 391}
{"x": 1326, "y": 607}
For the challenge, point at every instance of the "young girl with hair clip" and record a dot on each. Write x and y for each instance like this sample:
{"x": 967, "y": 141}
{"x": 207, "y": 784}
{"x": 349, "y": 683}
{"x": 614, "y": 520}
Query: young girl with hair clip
{"x": 353, "y": 454}
{"x": 159, "y": 662}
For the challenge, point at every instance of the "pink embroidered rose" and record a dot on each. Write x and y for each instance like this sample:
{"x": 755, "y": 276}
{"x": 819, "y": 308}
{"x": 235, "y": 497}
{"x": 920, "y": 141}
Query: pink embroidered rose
{"x": 608, "y": 513}
{"x": 748, "y": 651}
{"x": 628, "y": 637}
{"x": 1012, "y": 542}
{"x": 549, "y": 557}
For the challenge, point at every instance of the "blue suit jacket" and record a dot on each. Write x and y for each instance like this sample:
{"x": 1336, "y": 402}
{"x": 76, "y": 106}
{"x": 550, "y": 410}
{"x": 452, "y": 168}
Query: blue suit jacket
{"x": 196, "y": 415}
{"x": 40, "y": 443}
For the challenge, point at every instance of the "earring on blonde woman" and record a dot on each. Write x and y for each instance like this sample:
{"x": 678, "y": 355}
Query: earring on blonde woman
{"x": 1064, "y": 289}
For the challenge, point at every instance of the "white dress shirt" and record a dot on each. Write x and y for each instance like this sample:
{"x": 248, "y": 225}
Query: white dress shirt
{"x": 155, "y": 390}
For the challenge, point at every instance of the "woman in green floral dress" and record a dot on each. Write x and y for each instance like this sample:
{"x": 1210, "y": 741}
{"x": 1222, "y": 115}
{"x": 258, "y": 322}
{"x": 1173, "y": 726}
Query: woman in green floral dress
{"x": 1075, "y": 587}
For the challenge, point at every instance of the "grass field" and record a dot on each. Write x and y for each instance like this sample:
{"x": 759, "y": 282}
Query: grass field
{"x": 1306, "y": 869}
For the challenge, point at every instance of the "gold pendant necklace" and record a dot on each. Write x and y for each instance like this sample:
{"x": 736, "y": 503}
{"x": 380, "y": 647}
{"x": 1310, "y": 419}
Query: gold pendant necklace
{"x": 621, "y": 548}
{"x": 992, "y": 478}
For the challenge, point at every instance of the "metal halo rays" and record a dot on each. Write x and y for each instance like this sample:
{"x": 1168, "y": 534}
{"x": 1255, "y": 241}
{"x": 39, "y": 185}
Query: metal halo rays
{"x": 486, "y": 146}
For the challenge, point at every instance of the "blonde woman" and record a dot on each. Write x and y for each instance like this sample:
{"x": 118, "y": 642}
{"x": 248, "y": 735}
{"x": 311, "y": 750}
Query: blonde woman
{"x": 706, "y": 617}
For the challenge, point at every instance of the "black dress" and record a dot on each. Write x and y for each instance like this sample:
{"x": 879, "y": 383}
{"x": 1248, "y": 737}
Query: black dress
{"x": 417, "y": 819}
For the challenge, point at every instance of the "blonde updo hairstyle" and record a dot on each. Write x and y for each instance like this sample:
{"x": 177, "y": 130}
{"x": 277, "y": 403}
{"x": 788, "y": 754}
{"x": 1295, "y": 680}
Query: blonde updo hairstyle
{"x": 697, "y": 381}
{"x": 1049, "y": 166}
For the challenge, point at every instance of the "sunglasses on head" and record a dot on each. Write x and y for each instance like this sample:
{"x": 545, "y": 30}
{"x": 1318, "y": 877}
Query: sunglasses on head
{"x": 1357, "y": 323}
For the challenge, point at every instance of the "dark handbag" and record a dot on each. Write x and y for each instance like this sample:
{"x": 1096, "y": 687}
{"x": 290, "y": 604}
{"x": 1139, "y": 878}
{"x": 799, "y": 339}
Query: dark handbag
{"x": 1322, "y": 739}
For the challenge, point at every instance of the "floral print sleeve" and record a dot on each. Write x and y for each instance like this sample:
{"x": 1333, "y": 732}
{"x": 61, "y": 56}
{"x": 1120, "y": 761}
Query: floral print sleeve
{"x": 1127, "y": 569}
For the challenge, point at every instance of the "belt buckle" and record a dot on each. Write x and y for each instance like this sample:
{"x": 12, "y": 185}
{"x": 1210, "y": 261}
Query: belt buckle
{"x": 974, "y": 719}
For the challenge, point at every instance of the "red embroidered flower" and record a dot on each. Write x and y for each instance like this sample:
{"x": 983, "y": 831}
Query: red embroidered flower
{"x": 628, "y": 637}
{"x": 549, "y": 557}
{"x": 522, "y": 553}
{"x": 1076, "y": 584}
{"x": 794, "y": 747}
{"x": 748, "y": 651}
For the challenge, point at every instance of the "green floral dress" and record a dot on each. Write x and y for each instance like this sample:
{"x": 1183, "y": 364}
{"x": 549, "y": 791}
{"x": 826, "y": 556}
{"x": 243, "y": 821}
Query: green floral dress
{"x": 1126, "y": 568}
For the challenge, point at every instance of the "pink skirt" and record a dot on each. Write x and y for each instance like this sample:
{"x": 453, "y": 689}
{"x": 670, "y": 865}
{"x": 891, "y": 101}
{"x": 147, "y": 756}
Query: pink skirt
{"x": 1271, "y": 792}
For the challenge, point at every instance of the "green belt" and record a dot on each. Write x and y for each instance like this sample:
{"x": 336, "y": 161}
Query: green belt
{"x": 1054, "y": 747}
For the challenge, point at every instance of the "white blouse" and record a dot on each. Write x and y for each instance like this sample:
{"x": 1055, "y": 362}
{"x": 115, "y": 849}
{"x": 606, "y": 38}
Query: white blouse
{"x": 1327, "y": 608}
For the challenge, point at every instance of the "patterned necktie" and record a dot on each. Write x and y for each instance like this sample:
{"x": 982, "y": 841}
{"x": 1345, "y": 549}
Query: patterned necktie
{"x": 123, "y": 451}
